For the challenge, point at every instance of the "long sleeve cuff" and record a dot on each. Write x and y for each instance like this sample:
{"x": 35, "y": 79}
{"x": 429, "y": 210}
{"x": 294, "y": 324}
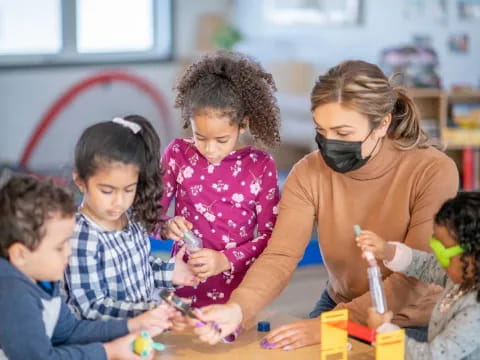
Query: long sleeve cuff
{"x": 402, "y": 258}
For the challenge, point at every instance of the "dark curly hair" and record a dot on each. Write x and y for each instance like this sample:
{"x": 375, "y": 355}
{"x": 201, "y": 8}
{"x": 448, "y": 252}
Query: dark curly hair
{"x": 236, "y": 85}
{"x": 461, "y": 217}
{"x": 25, "y": 204}
{"x": 107, "y": 142}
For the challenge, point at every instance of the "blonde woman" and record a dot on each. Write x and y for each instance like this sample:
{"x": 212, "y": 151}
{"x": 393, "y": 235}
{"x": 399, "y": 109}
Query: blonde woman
{"x": 375, "y": 168}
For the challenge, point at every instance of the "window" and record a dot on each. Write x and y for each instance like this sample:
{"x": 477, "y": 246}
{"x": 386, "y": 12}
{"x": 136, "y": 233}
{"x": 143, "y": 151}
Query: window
{"x": 312, "y": 12}
{"x": 24, "y": 31}
{"x": 114, "y": 26}
{"x": 84, "y": 31}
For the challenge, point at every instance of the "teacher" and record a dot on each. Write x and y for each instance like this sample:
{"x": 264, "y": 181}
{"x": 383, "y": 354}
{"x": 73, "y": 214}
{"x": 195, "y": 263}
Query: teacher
{"x": 375, "y": 167}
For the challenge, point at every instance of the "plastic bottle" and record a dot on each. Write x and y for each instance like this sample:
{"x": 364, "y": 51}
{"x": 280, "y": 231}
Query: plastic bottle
{"x": 192, "y": 242}
{"x": 374, "y": 278}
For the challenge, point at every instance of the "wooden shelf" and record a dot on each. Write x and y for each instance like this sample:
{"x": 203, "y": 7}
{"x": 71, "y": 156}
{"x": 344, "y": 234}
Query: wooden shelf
{"x": 459, "y": 138}
{"x": 462, "y": 145}
{"x": 465, "y": 95}
{"x": 426, "y": 93}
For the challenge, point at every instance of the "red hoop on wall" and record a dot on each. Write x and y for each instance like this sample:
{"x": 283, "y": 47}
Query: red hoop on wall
{"x": 85, "y": 84}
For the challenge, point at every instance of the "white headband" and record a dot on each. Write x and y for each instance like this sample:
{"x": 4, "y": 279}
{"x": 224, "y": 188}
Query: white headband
{"x": 128, "y": 124}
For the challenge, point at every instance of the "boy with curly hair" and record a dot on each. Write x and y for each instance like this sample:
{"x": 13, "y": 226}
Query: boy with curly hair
{"x": 36, "y": 224}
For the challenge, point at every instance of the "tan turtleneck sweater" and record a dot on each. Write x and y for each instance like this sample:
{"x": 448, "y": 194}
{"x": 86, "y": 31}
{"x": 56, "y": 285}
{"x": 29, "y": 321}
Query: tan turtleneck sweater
{"x": 396, "y": 195}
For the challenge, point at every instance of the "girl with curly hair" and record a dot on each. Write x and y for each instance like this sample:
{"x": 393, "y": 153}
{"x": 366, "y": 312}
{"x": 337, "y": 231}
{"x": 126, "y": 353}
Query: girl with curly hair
{"x": 225, "y": 193}
{"x": 454, "y": 265}
{"x": 111, "y": 273}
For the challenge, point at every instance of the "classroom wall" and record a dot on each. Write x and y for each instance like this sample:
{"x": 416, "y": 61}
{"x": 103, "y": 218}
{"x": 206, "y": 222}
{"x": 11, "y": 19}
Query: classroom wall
{"x": 25, "y": 94}
{"x": 383, "y": 25}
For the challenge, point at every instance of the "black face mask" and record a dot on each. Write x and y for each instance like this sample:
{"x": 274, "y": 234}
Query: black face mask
{"x": 342, "y": 156}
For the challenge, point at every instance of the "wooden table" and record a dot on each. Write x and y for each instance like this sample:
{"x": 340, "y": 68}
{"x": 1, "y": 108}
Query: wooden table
{"x": 247, "y": 346}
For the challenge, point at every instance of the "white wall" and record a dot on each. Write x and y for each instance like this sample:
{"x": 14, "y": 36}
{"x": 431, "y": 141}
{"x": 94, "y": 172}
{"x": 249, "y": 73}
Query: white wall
{"x": 25, "y": 94}
{"x": 384, "y": 25}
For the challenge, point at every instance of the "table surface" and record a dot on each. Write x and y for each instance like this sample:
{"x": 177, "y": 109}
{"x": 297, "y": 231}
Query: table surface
{"x": 247, "y": 346}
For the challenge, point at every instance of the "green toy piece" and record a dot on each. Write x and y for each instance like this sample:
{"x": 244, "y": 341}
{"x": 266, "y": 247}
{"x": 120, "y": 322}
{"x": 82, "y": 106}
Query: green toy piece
{"x": 144, "y": 344}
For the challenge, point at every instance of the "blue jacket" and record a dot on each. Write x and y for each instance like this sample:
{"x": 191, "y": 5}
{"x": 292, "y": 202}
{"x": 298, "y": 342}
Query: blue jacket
{"x": 36, "y": 324}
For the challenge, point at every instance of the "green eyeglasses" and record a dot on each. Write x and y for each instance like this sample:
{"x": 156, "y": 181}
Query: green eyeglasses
{"x": 444, "y": 254}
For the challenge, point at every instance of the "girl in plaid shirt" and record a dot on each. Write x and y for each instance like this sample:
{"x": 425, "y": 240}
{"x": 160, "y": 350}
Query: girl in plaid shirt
{"x": 111, "y": 273}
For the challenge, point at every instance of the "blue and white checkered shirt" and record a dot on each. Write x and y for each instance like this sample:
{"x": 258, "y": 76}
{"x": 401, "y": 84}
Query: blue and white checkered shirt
{"x": 111, "y": 273}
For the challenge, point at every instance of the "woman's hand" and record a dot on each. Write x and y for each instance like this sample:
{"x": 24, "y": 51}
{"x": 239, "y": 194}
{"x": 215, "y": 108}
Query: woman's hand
{"x": 218, "y": 321}
{"x": 369, "y": 241}
{"x": 207, "y": 262}
{"x": 176, "y": 227}
{"x": 294, "y": 335}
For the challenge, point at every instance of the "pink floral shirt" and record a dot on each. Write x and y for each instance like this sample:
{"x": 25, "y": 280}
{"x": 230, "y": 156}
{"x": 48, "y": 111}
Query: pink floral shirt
{"x": 232, "y": 206}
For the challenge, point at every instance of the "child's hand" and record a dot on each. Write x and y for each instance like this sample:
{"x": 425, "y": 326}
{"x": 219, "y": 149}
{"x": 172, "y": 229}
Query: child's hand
{"x": 208, "y": 262}
{"x": 121, "y": 349}
{"x": 182, "y": 273}
{"x": 369, "y": 241}
{"x": 176, "y": 227}
{"x": 154, "y": 321}
{"x": 181, "y": 323}
{"x": 375, "y": 319}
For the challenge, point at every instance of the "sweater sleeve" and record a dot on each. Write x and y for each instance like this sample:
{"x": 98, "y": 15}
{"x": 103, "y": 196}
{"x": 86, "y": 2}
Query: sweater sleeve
{"x": 438, "y": 183}
{"x": 69, "y": 330}
{"x": 269, "y": 275}
{"x": 419, "y": 264}
{"x": 458, "y": 340}
{"x": 23, "y": 333}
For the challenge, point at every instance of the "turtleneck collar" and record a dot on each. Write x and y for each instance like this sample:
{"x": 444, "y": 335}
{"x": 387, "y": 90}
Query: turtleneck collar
{"x": 380, "y": 164}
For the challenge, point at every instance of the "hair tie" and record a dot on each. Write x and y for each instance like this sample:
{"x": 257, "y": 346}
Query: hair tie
{"x": 134, "y": 127}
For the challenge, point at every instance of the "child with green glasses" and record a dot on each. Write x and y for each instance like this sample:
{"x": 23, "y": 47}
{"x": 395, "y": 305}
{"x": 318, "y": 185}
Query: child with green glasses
{"x": 454, "y": 326}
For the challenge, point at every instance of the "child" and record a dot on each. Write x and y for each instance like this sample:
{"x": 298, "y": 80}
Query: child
{"x": 455, "y": 323}
{"x": 226, "y": 193}
{"x": 111, "y": 273}
{"x": 36, "y": 224}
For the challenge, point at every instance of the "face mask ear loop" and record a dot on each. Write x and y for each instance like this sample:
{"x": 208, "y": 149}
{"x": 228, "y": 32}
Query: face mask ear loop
{"x": 376, "y": 144}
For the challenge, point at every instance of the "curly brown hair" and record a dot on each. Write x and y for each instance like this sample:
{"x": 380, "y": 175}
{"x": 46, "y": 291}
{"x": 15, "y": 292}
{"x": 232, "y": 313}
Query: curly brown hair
{"x": 26, "y": 203}
{"x": 236, "y": 85}
{"x": 107, "y": 142}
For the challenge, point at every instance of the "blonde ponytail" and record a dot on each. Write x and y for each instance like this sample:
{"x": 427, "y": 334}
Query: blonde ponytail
{"x": 363, "y": 87}
{"x": 405, "y": 128}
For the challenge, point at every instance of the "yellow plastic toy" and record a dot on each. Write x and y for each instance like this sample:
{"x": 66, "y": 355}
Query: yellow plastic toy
{"x": 390, "y": 345}
{"x": 334, "y": 334}
{"x": 143, "y": 345}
